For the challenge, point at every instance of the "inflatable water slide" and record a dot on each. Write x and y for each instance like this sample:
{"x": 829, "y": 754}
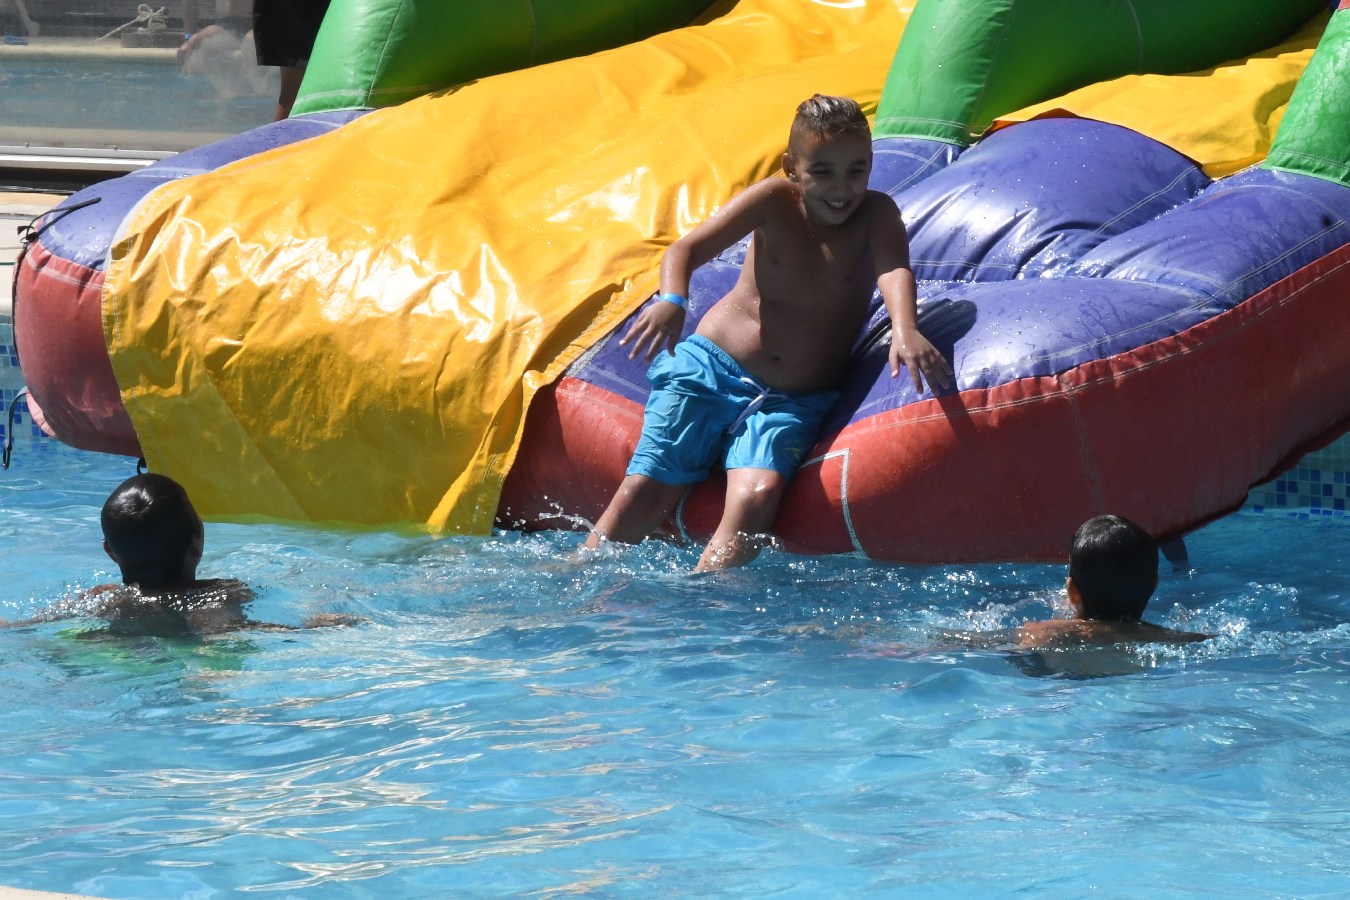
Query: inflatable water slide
{"x": 401, "y": 306}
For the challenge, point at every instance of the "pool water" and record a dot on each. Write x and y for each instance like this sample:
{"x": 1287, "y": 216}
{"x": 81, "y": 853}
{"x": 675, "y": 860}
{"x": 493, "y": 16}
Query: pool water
{"x": 504, "y": 724}
{"x": 102, "y": 94}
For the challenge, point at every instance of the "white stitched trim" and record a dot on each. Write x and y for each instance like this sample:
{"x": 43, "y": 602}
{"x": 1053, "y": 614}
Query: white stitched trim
{"x": 844, "y": 454}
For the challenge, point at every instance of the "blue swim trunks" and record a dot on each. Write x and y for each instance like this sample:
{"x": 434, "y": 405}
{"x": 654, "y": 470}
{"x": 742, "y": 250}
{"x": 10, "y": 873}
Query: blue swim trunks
{"x": 704, "y": 409}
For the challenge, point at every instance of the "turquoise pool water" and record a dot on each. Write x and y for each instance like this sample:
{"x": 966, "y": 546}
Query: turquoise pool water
{"x": 504, "y": 725}
{"x": 103, "y": 94}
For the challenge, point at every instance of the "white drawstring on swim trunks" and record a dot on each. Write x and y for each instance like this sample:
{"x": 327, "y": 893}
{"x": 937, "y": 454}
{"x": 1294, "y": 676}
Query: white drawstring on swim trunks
{"x": 754, "y": 406}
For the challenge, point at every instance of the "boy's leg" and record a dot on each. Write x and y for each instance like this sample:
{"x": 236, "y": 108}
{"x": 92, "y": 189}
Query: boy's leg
{"x": 639, "y": 507}
{"x": 760, "y": 462}
{"x": 682, "y": 427}
{"x": 752, "y": 502}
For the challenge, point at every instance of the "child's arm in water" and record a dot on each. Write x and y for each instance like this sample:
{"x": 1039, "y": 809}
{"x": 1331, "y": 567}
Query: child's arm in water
{"x": 889, "y": 243}
{"x": 659, "y": 325}
{"x": 209, "y": 607}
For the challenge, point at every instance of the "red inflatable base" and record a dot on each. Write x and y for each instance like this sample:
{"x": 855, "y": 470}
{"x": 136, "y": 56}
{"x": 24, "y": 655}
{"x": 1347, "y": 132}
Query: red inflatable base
{"x": 59, "y": 335}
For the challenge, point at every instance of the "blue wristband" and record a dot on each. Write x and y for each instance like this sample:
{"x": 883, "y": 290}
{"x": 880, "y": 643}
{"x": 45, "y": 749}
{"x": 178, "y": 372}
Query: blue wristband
{"x": 679, "y": 301}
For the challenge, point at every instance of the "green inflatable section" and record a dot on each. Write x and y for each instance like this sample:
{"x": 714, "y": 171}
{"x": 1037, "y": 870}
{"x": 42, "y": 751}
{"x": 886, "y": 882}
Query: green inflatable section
{"x": 372, "y": 53}
{"x": 1314, "y": 136}
{"x": 963, "y": 63}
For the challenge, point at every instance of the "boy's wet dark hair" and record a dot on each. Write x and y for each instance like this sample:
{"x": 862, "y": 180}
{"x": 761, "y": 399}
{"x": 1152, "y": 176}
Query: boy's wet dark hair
{"x": 825, "y": 115}
{"x": 151, "y": 529}
{"x": 1114, "y": 565}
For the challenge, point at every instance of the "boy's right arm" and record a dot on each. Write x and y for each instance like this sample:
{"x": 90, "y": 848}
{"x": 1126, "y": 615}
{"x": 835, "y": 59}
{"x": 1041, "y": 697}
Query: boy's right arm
{"x": 660, "y": 324}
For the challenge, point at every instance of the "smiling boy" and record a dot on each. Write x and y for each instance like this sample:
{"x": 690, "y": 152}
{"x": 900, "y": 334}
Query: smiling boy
{"x": 750, "y": 389}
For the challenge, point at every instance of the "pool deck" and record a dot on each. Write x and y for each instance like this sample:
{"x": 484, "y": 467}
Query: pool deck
{"x": 16, "y": 210}
{"x": 17, "y": 894}
{"x": 63, "y": 49}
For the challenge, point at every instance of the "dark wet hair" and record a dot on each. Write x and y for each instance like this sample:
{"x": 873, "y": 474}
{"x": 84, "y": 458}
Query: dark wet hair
{"x": 150, "y": 526}
{"x": 826, "y": 115}
{"x": 1114, "y": 565}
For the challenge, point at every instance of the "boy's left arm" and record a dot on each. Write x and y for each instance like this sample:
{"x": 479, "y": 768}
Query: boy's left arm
{"x": 890, "y": 252}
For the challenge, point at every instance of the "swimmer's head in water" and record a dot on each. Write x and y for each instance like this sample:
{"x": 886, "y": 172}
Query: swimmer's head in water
{"x": 152, "y": 532}
{"x": 1113, "y": 569}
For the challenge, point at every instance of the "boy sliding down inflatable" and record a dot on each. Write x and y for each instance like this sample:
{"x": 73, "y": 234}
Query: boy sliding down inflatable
{"x": 751, "y": 387}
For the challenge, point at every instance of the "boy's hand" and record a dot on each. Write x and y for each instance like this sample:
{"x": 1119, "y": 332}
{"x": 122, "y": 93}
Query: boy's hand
{"x": 659, "y": 324}
{"x": 913, "y": 351}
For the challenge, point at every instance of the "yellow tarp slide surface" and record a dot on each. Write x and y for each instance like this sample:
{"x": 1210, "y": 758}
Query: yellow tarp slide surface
{"x": 1223, "y": 118}
{"x": 350, "y": 328}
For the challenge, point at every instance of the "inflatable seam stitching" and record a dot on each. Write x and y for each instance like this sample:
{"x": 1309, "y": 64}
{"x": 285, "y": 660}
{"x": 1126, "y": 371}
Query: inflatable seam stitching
{"x": 844, "y": 508}
{"x": 1144, "y": 201}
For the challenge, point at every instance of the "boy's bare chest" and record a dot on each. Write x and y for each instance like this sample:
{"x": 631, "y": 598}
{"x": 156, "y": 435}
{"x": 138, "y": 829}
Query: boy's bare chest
{"x": 825, "y": 267}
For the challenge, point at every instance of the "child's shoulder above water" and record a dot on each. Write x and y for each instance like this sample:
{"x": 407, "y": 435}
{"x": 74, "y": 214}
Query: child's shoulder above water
{"x": 1058, "y": 634}
{"x": 204, "y": 607}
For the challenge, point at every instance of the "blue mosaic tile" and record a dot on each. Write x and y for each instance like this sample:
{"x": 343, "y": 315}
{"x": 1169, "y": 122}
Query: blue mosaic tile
{"x": 1318, "y": 488}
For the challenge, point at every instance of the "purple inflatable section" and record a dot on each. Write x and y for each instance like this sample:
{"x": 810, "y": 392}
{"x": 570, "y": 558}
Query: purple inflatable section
{"x": 1050, "y": 244}
{"x": 84, "y": 235}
